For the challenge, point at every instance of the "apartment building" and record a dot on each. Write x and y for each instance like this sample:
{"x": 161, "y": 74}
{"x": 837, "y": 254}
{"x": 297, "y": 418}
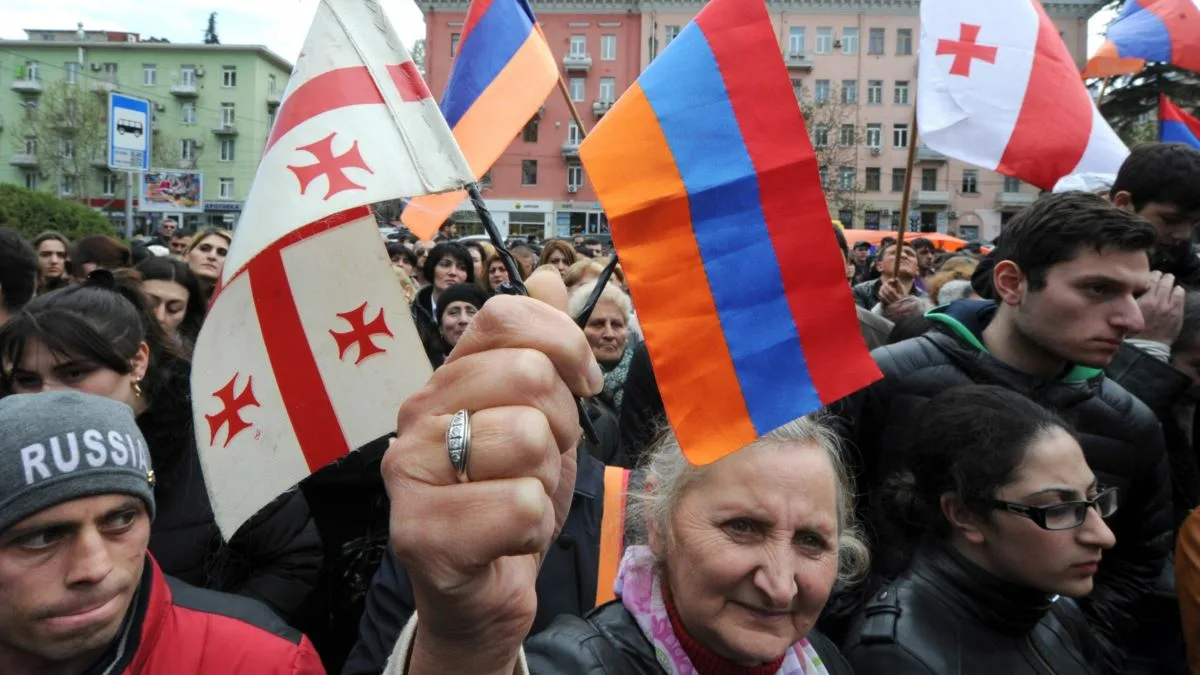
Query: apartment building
{"x": 853, "y": 61}
{"x": 212, "y": 107}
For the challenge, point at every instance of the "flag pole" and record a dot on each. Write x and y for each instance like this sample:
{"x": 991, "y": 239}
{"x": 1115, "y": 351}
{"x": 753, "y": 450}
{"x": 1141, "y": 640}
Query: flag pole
{"x": 562, "y": 87}
{"x": 905, "y": 200}
{"x": 1103, "y": 90}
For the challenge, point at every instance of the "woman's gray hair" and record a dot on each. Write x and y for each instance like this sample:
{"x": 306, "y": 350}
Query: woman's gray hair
{"x": 668, "y": 474}
{"x": 581, "y": 293}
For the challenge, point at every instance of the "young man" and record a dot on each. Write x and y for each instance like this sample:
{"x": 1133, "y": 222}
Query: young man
{"x": 1068, "y": 273}
{"x": 78, "y": 591}
{"x": 18, "y": 273}
{"x": 179, "y": 243}
{"x": 889, "y": 287}
{"x": 925, "y": 253}
{"x": 1161, "y": 183}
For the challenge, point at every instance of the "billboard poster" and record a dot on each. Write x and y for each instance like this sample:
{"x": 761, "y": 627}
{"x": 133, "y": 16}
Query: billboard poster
{"x": 169, "y": 190}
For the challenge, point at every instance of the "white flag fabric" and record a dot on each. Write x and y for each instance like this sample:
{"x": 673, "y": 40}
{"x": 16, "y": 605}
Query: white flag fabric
{"x": 309, "y": 347}
{"x": 998, "y": 88}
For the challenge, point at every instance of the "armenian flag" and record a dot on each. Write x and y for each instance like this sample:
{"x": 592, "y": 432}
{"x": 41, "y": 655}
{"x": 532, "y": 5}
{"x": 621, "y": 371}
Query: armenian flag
{"x": 501, "y": 76}
{"x": 1175, "y": 125}
{"x": 1166, "y": 31}
{"x": 711, "y": 187}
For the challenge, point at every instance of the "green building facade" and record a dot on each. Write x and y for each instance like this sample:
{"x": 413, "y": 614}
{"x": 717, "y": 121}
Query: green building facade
{"x": 212, "y": 107}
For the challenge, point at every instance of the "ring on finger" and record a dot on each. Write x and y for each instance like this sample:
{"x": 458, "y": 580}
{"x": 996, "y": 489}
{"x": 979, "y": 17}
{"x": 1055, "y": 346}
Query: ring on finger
{"x": 458, "y": 443}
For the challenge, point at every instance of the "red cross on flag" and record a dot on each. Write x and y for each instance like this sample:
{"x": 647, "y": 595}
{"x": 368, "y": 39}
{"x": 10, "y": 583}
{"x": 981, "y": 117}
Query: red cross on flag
{"x": 309, "y": 347}
{"x": 999, "y": 89}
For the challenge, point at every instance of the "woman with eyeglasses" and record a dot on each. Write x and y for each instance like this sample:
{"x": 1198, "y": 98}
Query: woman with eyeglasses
{"x": 1006, "y": 524}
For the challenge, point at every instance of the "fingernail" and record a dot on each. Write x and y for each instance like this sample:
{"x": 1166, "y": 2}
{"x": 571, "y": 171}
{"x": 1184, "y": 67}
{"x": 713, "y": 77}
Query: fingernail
{"x": 595, "y": 377}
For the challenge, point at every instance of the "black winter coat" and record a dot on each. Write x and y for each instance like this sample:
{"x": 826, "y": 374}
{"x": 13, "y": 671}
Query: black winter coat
{"x": 427, "y": 328}
{"x": 1121, "y": 440}
{"x": 609, "y": 642}
{"x": 946, "y": 616}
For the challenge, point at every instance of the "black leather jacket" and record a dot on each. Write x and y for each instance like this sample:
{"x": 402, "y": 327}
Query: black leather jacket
{"x": 946, "y": 616}
{"x": 610, "y": 642}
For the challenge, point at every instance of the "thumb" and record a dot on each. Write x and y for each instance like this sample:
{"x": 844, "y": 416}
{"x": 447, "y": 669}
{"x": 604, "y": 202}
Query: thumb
{"x": 546, "y": 284}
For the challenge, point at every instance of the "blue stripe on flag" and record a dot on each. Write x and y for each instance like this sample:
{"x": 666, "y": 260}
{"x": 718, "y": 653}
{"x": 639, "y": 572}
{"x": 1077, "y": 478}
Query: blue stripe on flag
{"x": 1140, "y": 33}
{"x": 489, "y": 47}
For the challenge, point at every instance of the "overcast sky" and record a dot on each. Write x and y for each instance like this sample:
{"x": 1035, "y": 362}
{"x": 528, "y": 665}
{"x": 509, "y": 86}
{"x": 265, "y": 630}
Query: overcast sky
{"x": 278, "y": 24}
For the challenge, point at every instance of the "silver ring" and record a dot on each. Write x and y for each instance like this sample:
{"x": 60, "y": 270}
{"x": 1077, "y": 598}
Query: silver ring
{"x": 458, "y": 442}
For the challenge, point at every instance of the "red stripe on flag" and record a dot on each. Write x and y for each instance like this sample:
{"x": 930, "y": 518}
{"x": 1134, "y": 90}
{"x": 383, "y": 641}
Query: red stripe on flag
{"x": 474, "y": 13}
{"x": 1055, "y": 123}
{"x": 341, "y": 88}
{"x": 1180, "y": 17}
{"x": 301, "y": 386}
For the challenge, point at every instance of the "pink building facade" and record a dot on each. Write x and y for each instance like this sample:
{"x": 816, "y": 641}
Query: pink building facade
{"x": 855, "y": 57}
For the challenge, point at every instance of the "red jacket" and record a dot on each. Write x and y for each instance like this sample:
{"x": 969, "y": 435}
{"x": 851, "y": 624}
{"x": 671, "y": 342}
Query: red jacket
{"x": 177, "y": 629}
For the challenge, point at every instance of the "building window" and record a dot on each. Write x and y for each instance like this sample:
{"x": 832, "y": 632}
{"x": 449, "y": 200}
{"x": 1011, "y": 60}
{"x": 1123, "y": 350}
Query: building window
{"x": 846, "y": 178}
{"x": 849, "y": 40}
{"x": 573, "y": 135}
{"x": 874, "y": 92}
{"x": 32, "y": 73}
{"x": 796, "y": 41}
{"x": 270, "y": 120}
{"x": 31, "y": 180}
{"x": 149, "y": 74}
{"x": 227, "y": 149}
{"x": 1012, "y": 184}
{"x": 227, "y": 115}
{"x": 874, "y": 135}
{"x": 824, "y": 40}
{"x": 970, "y": 182}
{"x": 899, "y": 178}
{"x": 850, "y": 91}
{"x": 875, "y": 41}
{"x": 455, "y": 38}
{"x": 66, "y": 148}
{"x": 821, "y": 93}
{"x": 31, "y": 110}
{"x": 187, "y": 112}
{"x": 823, "y": 172}
{"x": 110, "y": 73}
{"x": 72, "y": 69}
{"x": 187, "y": 76}
{"x": 529, "y": 172}
{"x": 904, "y": 42}
{"x": 530, "y": 133}
{"x": 228, "y": 76}
{"x": 846, "y": 217}
{"x": 66, "y": 186}
{"x": 574, "y": 175}
{"x": 871, "y": 219}
{"x": 929, "y": 179}
{"x": 187, "y": 149}
{"x": 608, "y": 47}
{"x": 846, "y": 135}
{"x": 271, "y": 84}
{"x": 110, "y": 185}
{"x": 608, "y": 89}
{"x": 900, "y": 136}
{"x": 225, "y": 188}
{"x": 670, "y": 33}
{"x": 30, "y": 145}
{"x": 874, "y": 180}
{"x": 901, "y": 97}
{"x": 820, "y": 136}
{"x": 578, "y": 45}
{"x": 578, "y": 94}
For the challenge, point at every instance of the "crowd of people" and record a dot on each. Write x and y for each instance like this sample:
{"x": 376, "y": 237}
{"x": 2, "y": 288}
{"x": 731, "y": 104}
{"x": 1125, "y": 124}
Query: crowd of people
{"x": 1015, "y": 495}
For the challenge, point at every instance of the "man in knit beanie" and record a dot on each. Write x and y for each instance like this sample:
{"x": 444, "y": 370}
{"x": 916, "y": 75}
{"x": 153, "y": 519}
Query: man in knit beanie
{"x": 78, "y": 591}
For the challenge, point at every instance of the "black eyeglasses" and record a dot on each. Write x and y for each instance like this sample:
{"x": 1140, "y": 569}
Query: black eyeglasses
{"x": 1064, "y": 516}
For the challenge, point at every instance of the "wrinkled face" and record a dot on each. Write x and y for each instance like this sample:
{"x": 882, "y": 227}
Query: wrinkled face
{"x": 886, "y": 264}
{"x": 52, "y": 259}
{"x": 1017, "y": 549}
{"x": 455, "y": 321}
{"x": 449, "y": 271}
{"x": 558, "y": 260}
{"x": 497, "y": 274}
{"x": 1174, "y": 226}
{"x": 208, "y": 258}
{"x": 167, "y": 228}
{"x": 1088, "y": 306}
{"x": 753, "y": 551}
{"x": 477, "y": 262}
{"x": 67, "y": 577}
{"x": 168, "y": 301}
{"x": 42, "y": 370}
{"x": 607, "y": 333}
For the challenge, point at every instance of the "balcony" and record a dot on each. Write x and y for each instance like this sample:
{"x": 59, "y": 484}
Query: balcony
{"x": 27, "y": 86}
{"x": 23, "y": 159}
{"x": 570, "y": 149}
{"x": 601, "y": 107}
{"x": 185, "y": 90}
{"x": 225, "y": 129}
{"x": 577, "y": 63}
{"x": 104, "y": 88}
{"x": 933, "y": 198}
{"x": 100, "y": 161}
{"x": 798, "y": 61}
{"x": 1014, "y": 200}
{"x": 927, "y": 154}
{"x": 273, "y": 99}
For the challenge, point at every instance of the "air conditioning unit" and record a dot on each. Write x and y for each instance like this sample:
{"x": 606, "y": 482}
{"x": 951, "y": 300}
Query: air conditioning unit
{"x": 198, "y": 145}
{"x": 953, "y": 214}
{"x": 96, "y": 67}
{"x": 876, "y": 151}
{"x": 160, "y": 107}
{"x": 572, "y": 189}
{"x": 199, "y": 72}
{"x": 837, "y": 44}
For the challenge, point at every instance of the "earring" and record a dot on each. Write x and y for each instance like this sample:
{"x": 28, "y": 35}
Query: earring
{"x": 137, "y": 389}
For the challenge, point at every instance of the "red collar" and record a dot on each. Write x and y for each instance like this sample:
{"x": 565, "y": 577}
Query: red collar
{"x": 706, "y": 661}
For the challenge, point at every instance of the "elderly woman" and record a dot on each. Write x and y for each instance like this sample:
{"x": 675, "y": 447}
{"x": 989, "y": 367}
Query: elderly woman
{"x": 1008, "y": 525}
{"x": 607, "y": 331}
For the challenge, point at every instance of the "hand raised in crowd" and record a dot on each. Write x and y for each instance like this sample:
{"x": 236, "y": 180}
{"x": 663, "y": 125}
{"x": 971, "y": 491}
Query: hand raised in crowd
{"x": 890, "y": 291}
{"x": 1162, "y": 309}
{"x": 472, "y": 545}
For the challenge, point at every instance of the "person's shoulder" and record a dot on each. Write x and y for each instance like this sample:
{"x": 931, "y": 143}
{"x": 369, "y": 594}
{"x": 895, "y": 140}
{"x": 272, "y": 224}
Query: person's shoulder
{"x": 228, "y": 616}
{"x": 887, "y": 628}
{"x": 607, "y": 641}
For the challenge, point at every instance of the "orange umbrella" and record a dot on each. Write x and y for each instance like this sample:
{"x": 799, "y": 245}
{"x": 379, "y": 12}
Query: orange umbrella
{"x": 942, "y": 241}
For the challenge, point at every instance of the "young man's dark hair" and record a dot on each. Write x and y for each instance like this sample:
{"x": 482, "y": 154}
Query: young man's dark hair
{"x": 18, "y": 273}
{"x": 922, "y": 244}
{"x": 1056, "y": 228}
{"x": 1161, "y": 183}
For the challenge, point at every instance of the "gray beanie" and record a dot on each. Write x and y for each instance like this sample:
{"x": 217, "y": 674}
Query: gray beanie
{"x": 64, "y": 445}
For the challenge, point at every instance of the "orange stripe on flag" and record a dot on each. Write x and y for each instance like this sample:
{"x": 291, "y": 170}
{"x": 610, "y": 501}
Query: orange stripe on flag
{"x": 1107, "y": 62}
{"x": 483, "y": 133}
{"x": 612, "y": 532}
{"x": 656, "y": 241}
